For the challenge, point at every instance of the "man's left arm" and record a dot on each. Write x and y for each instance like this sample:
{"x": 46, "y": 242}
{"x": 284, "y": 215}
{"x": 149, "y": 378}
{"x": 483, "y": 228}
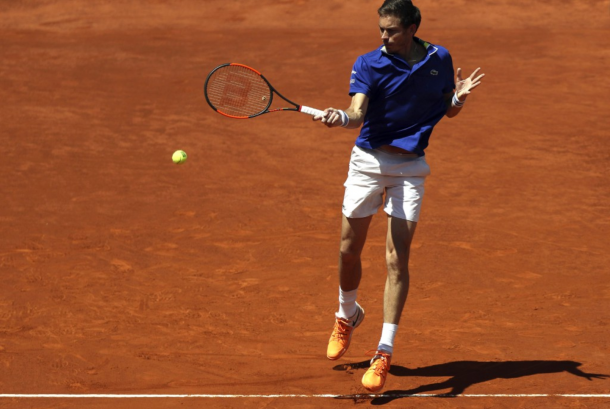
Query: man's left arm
{"x": 463, "y": 87}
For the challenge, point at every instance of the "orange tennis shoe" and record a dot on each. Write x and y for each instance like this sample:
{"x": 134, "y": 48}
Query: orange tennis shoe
{"x": 342, "y": 334}
{"x": 374, "y": 378}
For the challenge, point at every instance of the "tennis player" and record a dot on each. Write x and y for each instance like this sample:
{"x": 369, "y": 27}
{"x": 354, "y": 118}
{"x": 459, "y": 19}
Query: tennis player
{"x": 399, "y": 91}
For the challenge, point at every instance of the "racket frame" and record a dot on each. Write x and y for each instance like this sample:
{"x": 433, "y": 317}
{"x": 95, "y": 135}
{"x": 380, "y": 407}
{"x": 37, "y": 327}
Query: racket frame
{"x": 297, "y": 107}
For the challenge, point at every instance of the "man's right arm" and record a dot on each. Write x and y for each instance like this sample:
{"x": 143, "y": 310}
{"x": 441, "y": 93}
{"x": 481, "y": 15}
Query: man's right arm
{"x": 357, "y": 110}
{"x": 352, "y": 116}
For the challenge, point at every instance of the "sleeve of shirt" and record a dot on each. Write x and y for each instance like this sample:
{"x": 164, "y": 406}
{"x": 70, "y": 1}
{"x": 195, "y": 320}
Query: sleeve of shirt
{"x": 360, "y": 79}
{"x": 449, "y": 80}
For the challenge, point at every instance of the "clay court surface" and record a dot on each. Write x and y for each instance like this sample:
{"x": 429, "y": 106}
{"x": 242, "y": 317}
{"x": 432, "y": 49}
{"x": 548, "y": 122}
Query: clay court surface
{"x": 123, "y": 273}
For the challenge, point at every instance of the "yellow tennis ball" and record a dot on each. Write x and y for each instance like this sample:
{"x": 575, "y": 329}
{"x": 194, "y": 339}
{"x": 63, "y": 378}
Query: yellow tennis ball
{"x": 179, "y": 157}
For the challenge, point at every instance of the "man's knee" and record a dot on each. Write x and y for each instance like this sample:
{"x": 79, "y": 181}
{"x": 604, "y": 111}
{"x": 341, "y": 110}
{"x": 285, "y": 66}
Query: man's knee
{"x": 348, "y": 255}
{"x": 397, "y": 261}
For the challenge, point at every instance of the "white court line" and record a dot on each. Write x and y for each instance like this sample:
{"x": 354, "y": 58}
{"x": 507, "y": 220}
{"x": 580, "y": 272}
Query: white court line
{"x": 360, "y": 396}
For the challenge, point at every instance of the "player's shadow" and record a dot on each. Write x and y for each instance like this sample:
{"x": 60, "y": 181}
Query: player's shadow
{"x": 467, "y": 373}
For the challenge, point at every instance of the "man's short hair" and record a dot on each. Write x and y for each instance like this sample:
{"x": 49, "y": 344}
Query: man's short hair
{"x": 403, "y": 9}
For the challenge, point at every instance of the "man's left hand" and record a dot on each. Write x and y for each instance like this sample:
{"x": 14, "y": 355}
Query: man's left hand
{"x": 463, "y": 87}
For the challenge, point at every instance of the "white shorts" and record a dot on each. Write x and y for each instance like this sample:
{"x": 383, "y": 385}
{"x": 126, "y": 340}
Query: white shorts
{"x": 373, "y": 172}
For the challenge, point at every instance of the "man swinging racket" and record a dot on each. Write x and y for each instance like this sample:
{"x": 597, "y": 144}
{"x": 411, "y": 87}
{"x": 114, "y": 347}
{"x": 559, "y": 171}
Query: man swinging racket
{"x": 399, "y": 93}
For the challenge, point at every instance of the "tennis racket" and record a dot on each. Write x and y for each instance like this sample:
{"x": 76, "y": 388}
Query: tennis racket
{"x": 238, "y": 91}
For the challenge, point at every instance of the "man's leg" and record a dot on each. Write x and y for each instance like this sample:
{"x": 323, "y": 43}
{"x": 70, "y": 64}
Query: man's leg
{"x": 350, "y": 315}
{"x": 353, "y": 237}
{"x": 398, "y": 245}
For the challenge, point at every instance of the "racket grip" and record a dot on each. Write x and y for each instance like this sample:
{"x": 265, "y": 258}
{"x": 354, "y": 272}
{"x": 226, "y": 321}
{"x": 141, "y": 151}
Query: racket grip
{"x": 310, "y": 111}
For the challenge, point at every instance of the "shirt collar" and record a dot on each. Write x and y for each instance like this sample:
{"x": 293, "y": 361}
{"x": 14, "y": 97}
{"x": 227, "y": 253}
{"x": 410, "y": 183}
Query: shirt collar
{"x": 430, "y": 48}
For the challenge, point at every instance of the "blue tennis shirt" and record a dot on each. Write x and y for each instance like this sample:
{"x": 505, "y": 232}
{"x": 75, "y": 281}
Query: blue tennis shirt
{"x": 404, "y": 102}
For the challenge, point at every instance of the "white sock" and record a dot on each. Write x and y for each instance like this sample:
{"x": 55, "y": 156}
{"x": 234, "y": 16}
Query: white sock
{"x": 347, "y": 303}
{"x": 386, "y": 343}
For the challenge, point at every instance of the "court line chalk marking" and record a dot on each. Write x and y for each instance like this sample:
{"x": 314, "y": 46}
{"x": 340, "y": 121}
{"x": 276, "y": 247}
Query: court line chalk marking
{"x": 361, "y": 396}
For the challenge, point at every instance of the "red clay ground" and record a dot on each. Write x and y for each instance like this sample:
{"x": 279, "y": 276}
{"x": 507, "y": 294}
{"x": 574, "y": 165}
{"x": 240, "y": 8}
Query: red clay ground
{"x": 123, "y": 273}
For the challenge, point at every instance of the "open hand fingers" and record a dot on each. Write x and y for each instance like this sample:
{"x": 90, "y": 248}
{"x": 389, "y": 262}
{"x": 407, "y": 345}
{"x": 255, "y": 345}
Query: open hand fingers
{"x": 475, "y": 72}
{"x": 478, "y": 79}
{"x": 476, "y": 84}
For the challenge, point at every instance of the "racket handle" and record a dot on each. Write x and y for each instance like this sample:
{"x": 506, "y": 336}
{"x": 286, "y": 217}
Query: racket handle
{"x": 310, "y": 111}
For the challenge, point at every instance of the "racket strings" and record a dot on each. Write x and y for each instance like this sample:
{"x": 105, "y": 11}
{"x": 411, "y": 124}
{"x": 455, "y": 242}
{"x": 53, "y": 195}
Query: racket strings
{"x": 238, "y": 91}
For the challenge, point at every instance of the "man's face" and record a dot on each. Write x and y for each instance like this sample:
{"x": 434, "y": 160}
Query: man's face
{"x": 394, "y": 36}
